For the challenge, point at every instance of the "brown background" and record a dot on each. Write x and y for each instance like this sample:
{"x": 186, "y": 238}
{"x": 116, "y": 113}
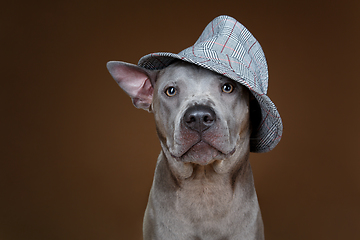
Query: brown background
{"x": 77, "y": 159}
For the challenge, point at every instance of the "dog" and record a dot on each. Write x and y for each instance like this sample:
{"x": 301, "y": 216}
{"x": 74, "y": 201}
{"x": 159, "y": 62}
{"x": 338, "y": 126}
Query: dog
{"x": 207, "y": 123}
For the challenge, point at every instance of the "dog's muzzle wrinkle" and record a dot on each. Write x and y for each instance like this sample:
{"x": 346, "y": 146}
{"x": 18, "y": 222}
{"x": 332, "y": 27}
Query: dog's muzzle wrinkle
{"x": 199, "y": 118}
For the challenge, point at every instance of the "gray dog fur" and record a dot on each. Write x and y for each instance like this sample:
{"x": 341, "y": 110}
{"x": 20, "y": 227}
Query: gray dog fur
{"x": 203, "y": 187}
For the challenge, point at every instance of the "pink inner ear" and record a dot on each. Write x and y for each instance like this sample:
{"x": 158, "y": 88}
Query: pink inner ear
{"x": 144, "y": 96}
{"x": 135, "y": 81}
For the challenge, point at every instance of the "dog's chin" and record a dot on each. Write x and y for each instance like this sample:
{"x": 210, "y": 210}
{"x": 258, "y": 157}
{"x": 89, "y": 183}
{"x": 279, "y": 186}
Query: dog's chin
{"x": 202, "y": 154}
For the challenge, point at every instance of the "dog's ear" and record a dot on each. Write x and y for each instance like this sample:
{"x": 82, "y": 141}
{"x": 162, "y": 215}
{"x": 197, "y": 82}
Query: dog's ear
{"x": 137, "y": 82}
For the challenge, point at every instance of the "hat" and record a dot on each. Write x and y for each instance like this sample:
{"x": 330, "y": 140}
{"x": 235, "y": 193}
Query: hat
{"x": 228, "y": 48}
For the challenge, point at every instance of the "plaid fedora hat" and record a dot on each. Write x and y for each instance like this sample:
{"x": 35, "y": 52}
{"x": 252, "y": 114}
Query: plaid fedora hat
{"x": 228, "y": 48}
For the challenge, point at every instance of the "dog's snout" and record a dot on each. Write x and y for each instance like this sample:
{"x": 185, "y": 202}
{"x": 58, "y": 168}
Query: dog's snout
{"x": 199, "y": 118}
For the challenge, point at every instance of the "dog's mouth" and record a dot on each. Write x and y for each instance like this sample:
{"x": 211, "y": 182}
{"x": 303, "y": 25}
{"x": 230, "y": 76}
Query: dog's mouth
{"x": 203, "y": 143}
{"x": 203, "y": 153}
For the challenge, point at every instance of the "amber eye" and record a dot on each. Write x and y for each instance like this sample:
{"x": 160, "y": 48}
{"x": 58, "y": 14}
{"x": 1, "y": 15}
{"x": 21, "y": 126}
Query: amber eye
{"x": 227, "y": 88}
{"x": 170, "y": 91}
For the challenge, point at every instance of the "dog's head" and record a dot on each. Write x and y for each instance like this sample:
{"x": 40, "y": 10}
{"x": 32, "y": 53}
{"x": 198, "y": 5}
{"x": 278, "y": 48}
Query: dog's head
{"x": 201, "y": 117}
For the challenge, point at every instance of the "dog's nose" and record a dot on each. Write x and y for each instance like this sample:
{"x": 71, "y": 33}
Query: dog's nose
{"x": 199, "y": 118}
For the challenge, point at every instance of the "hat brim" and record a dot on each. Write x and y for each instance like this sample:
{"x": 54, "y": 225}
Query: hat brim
{"x": 269, "y": 131}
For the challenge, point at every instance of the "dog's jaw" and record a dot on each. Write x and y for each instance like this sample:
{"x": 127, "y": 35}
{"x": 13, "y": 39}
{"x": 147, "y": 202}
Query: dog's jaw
{"x": 183, "y": 168}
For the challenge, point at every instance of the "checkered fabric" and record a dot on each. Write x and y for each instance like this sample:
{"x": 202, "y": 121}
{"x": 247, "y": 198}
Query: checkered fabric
{"x": 228, "y": 48}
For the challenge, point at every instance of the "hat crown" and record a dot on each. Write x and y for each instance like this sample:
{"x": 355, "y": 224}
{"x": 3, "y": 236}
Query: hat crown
{"x": 227, "y": 42}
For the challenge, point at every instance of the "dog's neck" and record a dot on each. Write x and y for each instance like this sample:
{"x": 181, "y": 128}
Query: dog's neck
{"x": 215, "y": 177}
{"x": 207, "y": 196}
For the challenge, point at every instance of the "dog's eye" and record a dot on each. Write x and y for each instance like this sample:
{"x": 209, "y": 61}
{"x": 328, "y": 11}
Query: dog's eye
{"x": 227, "y": 88}
{"x": 170, "y": 91}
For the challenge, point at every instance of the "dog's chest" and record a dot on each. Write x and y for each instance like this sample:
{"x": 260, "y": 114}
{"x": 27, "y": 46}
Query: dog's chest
{"x": 204, "y": 198}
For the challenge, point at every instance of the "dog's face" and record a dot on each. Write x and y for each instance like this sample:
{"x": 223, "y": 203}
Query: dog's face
{"x": 201, "y": 116}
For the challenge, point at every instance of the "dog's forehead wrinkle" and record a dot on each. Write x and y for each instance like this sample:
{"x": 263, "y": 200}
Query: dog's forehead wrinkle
{"x": 187, "y": 71}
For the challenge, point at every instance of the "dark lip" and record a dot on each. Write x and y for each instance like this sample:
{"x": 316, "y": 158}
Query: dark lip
{"x": 226, "y": 155}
